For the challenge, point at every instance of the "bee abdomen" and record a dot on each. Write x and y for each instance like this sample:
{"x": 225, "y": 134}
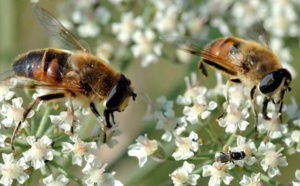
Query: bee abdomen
{"x": 42, "y": 65}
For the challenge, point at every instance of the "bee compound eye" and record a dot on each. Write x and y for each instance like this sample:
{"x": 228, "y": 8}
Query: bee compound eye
{"x": 272, "y": 81}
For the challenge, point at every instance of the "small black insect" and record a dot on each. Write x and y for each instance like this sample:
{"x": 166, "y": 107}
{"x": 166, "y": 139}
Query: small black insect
{"x": 231, "y": 156}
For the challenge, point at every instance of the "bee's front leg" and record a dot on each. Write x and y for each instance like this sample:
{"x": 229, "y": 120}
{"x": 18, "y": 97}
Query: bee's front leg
{"x": 226, "y": 104}
{"x": 103, "y": 124}
{"x": 264, "y": 109}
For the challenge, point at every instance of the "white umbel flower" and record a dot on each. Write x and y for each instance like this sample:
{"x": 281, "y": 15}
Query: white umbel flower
{"x": 96, "y": 175}
{"x": 272, "y": 158}
{"x": 254, "y": 180}
{"x": 40, "y": 151}
{"x": 79, "y": 150}
{"x": 12, "y": 169}
{"x": 217, "y": 173}
{"x": 142, "y": 149}
{"x": 14, "y": 113}
{"x": 186, "y": 146}
{"x": 183, "y": 175}
{"x": 61, "y": 180}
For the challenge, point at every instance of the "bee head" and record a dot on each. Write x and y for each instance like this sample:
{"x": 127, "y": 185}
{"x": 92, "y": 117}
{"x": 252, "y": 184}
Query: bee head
{"x": 118, "y": 98}
{"x": 275, "y": 84}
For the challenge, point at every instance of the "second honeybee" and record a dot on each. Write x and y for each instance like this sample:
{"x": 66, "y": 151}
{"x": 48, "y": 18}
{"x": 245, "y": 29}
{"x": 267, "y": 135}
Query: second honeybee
{"x": 243, "y": 61}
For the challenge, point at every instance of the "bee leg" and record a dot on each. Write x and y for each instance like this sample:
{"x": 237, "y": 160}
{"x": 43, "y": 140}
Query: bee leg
{"x": 227, "y": 99}
{"x": 264, "y": 109}
{"x": 103, "y": 125}
{"x": 252, "y": 97}
{"x": 71, "y": 108}
{"x": 113, "y": 117}
{"x": 222, "y": 166}
{"x": 47, "y": 97}
{"x": 280, "y": 110}
{"x": 202, "y": 68}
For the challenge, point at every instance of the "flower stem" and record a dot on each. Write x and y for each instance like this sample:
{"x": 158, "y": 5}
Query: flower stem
{"x": 45, "y": 170}
{"x": 43, "y": 123}
{"x": 208, "y": 129}
{"x": 65, "y": 172}
{"x": 203, "y": 156}
{"x": 231, "y": 139}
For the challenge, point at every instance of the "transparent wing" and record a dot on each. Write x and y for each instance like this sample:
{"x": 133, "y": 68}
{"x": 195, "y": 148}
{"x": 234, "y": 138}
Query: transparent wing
{"x": 257, "y": 32}
{"x": 56, "y": 29}
{"x": 196, "y": 46}
{"x": 25, "y": 83}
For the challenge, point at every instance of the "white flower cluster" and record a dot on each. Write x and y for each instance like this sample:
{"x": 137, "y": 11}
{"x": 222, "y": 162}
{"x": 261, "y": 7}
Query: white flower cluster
{"x": 44, "y": 151}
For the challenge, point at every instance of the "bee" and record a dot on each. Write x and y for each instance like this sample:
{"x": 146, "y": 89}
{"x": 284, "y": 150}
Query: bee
{"x": 76, "y": 75}
{"x": 231, "y": 156}
{"x": 242, "y": 61}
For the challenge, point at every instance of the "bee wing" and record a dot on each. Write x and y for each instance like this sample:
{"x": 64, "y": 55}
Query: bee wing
{"x": 196, "y": 46}
{"x": 257, "y": 32}
{"x": 25, "y": 83}
{"x": 56, "y": 29}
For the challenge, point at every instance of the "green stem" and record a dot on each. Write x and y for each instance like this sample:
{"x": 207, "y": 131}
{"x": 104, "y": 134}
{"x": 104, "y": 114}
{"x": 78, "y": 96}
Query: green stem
{"x": 34, "y": 125}
{"x": 5, "y": 150}
{"x": 231, "y": 139}
{"x": 45, "y": 171}
{"x": 59, "y": 154}
{"x": 249, "y": 132}
{"x": 203, "y": 156}
{"x": 198, "y": 171}
{"x": 208, "y": 129}
{"x": 65, "y": 172}
{"x": 50, "y": 130}
{"x": 43, "y": 123}
{"x": 267, "y": 179}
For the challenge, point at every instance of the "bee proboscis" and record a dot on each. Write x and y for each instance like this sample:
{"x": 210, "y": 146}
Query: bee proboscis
{"x": 73, "y": 74}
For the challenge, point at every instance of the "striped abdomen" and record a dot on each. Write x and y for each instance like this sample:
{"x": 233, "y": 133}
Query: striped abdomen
{"x": 42, "y": 65}
{"x": 224, "y": 49}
